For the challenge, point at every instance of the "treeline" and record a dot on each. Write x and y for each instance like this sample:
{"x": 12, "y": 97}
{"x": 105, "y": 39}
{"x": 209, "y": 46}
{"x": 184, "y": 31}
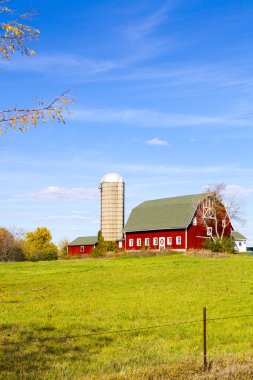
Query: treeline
{"x": 33, "y": 246}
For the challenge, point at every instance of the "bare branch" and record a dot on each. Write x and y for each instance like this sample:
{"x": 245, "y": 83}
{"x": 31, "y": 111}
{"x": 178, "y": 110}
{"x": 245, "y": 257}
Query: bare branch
{"x": 15, "y": 36}
{"x": 23, "y": 118}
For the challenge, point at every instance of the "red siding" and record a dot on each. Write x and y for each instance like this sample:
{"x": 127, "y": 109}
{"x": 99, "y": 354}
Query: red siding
{"x": 155, "y": 234}
{"x": 76, "y": 249}
{"x": 197, "y": 235}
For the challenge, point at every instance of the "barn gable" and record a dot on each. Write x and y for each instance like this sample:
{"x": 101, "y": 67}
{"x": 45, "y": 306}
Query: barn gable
{"x": 165, "y": 213}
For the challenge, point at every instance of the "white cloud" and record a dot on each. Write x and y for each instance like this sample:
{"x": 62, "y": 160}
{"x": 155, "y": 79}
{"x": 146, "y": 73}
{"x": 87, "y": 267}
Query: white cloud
{"x": 157, "y": 141}
{"x": 61, "y": 193}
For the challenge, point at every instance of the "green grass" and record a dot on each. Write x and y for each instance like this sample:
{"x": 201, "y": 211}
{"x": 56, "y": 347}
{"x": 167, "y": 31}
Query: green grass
{"x": 90, "y": 296}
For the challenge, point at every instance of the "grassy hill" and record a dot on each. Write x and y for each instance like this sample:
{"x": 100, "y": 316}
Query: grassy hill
{"x": 43, "y": 304}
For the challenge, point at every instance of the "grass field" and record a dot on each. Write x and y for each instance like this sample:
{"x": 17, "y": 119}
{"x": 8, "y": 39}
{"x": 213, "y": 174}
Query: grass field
{"x": 43, "y": 303}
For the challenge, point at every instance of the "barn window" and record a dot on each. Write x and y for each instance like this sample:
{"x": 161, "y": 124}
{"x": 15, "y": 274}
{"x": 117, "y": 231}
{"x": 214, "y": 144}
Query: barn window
{"x": 131, "y": 242}
{"x": 82, "y": 248}
{"x": 178, "y": 240}
{"x": 155, "y": 241}
{"x": 194, "y": 222}
{"x": 223, "y": 223}
{"x": 169, "y": 240}
{"x": 146, "y": 242}
{"x": 209, "y": 231}
{"x": 139, "y": 242}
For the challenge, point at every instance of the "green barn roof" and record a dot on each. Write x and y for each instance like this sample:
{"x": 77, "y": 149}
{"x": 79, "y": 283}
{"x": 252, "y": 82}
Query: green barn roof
{"x": 165, "y": 213}
{"x": 84, "y": 240}
{"x": 237, "y": 236}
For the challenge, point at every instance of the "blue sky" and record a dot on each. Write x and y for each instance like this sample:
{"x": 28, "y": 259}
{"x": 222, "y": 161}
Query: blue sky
{"x": 163, "y": 95}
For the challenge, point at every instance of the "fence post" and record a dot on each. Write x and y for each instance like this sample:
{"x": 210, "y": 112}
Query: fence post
{"x": 204, "y": 338}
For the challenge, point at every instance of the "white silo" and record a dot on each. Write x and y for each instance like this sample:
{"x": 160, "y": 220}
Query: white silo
{"x": 112, "y": 206}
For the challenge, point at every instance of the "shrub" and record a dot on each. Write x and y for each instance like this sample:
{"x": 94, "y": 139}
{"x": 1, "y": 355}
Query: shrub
{"x": 104, "y": 246}
{"x": 225, "y": 245}
{"x": 98, "y": 252}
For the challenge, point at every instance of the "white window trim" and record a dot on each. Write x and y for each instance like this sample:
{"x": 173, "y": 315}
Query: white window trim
{"x": 139, "y": 242}
{"x": 131, "y": 242}
{"x": 223, "y": 223}
{"x": 194, "y": 222}
{"x": 146, "y": 242}
{"x": 82, "y": 248}
{"x": 155, "y": 241}
{"x": 178, "y": 240}
{"x": 169, "y": 240}
{"x": 209, "y": 231}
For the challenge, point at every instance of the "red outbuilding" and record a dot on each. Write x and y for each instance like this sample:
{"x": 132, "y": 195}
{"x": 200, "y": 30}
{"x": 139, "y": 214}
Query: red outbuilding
{"x": 82, "y": 245}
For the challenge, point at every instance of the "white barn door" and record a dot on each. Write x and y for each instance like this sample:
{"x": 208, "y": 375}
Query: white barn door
{"x": 161, "y": 243}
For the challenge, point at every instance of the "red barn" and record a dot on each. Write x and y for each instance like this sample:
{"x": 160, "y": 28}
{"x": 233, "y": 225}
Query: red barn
{"x": 82, "y": 245}
{"x": 179, "y": 223}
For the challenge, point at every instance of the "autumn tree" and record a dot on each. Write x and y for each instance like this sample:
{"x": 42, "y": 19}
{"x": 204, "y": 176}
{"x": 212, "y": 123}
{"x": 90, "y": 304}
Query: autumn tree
{"x": 38, "y": 245}
{"x": 16, "y": 35}
{"x": 10, "y": 246}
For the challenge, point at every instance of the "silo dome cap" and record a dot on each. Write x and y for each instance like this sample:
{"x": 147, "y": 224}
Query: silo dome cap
{"x": 112, "y": 177}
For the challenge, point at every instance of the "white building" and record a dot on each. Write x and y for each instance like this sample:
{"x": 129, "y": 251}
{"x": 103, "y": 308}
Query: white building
{"x": 240, "y": 241}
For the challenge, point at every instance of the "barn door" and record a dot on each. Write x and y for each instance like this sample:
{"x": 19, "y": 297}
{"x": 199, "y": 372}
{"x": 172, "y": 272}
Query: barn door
{"x": 161, "y": 243}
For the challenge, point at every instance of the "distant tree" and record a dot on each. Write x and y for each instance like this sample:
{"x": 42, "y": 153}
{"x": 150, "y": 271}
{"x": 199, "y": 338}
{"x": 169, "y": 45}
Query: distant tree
{"x": 101, "y": 240}
{"x": 218, "y": 210}
{"x": 63, "y": 247}
{"x": 104, "y": 246}
{"x": 38, "y": 245}
{"x": 15, "y": 36}
{"x": 10, "y": 246}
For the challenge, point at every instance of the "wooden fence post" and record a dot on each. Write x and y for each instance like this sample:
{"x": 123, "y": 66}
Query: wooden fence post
{"x": 204, "y": 338}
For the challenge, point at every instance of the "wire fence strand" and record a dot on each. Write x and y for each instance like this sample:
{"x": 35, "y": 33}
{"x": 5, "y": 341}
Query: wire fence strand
{"x": 65, "y": 337}
{"x": 108, "y": 332}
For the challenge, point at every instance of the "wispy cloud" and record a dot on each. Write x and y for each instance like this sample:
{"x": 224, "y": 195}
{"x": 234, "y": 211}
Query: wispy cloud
{"x": 62, "y": 64}
{"x": 238, "y": 191}
{"x": 136, "y": 37}
{"x": 168, "y": 169}
{"x": 45, "y": 217}
{"x": 144, "y": 27}
{"x": 154, "y": 119}
{"x": 157, "y": 141}
{"x": 52, "y": 193}
{"x": 61, "y": 217}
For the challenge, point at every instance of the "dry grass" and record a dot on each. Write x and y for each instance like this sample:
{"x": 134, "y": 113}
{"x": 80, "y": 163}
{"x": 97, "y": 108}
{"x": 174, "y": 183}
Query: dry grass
{"x": 226, "y": 368}
{"x": 142, "y": 253}
{"x": 206, "y": 253}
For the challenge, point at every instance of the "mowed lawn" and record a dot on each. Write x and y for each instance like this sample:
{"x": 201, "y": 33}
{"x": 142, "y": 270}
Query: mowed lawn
{"x": 43, "y": 303}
